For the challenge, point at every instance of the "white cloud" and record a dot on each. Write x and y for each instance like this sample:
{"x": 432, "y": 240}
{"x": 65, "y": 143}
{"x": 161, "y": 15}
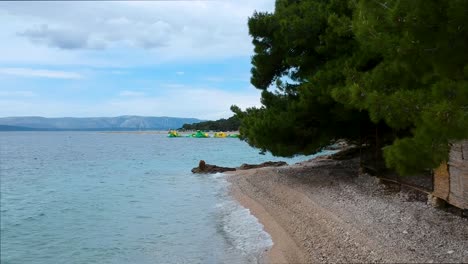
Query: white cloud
{"x": 63, "y": 38}
{"x": 119, "y": 21}
{"x": 154, "y": 31}
{"x": 27, "y": 72}
{"x": 203, "y": 103}
{"x": 121, "y": 34}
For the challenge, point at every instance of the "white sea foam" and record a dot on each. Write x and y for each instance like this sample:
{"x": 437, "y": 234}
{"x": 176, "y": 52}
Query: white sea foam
{"x": 244, "y": 229}
{"x": 241, "y": 229}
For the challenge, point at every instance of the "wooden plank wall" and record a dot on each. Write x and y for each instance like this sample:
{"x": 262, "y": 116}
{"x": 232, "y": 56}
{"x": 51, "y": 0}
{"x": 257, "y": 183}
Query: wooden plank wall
{"x": 458, "y": 171}
{"x": 451, "y": 178}
{"x": 442, "y": 182}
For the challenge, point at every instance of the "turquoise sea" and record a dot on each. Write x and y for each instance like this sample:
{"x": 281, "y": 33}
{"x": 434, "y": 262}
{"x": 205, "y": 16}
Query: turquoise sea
{"x": 91, "y": 197}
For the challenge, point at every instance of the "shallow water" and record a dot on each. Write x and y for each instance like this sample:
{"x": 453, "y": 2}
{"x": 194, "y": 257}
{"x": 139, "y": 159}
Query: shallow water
{"x": 88, "y": 197}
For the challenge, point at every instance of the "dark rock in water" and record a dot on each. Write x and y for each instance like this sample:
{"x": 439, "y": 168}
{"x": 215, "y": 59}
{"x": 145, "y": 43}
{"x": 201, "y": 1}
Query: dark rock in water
{"x": 264, "y": 164}
{"x": 202, "y": 165}
{"x": 207, "y": 168}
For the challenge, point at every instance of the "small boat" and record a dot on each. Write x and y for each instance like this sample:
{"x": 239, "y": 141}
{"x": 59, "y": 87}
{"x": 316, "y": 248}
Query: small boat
{"x": 233, "y": 136}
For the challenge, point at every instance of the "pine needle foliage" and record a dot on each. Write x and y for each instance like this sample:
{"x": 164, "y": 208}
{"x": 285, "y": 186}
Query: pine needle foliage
{"x": 390, "y": 73}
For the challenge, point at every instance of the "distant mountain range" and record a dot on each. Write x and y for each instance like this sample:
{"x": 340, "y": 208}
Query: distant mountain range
{"x": 120, "y": 123}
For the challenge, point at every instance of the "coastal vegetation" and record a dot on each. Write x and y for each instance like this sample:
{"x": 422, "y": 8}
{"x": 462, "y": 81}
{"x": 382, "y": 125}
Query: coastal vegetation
{"x": 392, "y": 75}
{"x": 230, "y": 124}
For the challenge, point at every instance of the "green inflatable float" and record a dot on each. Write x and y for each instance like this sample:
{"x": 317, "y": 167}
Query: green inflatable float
{"x": 199, "y": 134}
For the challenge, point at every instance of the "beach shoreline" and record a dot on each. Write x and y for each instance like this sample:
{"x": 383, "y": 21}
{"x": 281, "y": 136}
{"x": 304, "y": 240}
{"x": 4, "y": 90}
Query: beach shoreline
{"x": 323, "y": 210}
{"x": 283, "y": 247}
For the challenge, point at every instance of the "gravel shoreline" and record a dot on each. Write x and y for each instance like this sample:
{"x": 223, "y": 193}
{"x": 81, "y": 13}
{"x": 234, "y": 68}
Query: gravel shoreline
{"x": 322, "y": 210}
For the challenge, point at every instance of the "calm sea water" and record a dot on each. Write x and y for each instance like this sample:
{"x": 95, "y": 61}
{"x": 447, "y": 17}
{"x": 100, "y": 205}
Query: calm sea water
{"x": 89, "y": 197}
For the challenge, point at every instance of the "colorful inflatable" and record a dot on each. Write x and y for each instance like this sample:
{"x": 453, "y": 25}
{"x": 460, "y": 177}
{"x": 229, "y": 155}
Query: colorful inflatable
{"x": 173, "y": 133}
{"x": 199, "y": 134}
{"x": 220, "y": 135}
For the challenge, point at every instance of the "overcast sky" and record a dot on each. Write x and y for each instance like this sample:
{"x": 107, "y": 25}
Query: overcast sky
{"x": 152, "y": 58}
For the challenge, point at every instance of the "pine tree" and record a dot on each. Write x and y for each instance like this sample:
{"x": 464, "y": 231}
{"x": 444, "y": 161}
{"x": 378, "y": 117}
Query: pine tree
{"x": 418, "y": 85}
{"x": 346, "y": 69}
{"x": 298, "y": 53}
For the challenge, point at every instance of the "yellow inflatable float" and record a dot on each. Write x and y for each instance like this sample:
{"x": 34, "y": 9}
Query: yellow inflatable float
{"x": 220, "y": 135}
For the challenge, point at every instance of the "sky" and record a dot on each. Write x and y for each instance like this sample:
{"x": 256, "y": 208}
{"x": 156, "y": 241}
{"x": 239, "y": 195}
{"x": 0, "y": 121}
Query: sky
{"x": 149, "y": 58}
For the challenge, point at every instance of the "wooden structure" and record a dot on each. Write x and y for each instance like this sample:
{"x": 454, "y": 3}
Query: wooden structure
{"x": 451, "y": 178}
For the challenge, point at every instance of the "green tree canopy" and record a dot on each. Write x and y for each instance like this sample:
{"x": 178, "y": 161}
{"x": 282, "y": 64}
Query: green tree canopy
{"x": 230, "y": 124}
{"x": 298, "y": 51}
{"x": 347, "y": 69}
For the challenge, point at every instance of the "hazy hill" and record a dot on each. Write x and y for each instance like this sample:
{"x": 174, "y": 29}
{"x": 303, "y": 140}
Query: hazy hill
{"x": 95, "y": 123}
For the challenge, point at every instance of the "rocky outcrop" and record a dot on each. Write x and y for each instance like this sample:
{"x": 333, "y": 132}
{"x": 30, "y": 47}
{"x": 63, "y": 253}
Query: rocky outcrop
{"x": 264, "y": 164}
{"x": 207, "y": 168}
